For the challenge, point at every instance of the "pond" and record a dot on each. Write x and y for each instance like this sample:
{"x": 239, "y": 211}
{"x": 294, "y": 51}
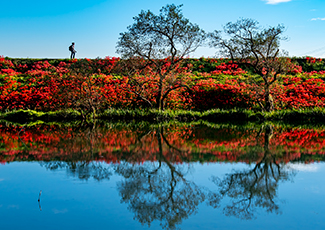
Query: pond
{"x": 162, "y": 176}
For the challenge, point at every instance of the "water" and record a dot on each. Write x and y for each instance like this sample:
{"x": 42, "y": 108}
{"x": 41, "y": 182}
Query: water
{"x": 165, "y": 177}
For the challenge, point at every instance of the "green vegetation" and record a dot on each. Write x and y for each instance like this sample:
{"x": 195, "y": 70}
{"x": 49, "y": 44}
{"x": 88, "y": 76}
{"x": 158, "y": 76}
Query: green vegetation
{"x": 295, "y": 116}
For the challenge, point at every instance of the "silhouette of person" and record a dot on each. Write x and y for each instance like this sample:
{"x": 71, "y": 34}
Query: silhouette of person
{"x": 72, "y": 50}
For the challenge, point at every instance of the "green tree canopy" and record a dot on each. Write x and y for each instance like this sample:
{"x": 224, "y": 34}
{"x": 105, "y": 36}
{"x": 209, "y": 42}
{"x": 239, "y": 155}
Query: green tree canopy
{"x": 162, "y": 41}
{"x": 168, "y": 34}
{"x": 259, "y": 48}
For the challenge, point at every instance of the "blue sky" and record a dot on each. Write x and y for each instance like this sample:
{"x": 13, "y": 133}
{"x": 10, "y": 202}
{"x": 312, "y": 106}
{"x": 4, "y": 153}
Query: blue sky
{"x": 45, "y": 29}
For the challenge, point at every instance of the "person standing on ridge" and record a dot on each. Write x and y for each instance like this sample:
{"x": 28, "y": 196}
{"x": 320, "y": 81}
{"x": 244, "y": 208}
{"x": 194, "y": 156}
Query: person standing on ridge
{"x": 72, "y": 50}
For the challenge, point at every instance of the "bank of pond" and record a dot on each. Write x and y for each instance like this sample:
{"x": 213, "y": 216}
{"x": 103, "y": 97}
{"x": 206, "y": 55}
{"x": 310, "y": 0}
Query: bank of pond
{"x": 297, "y": 116}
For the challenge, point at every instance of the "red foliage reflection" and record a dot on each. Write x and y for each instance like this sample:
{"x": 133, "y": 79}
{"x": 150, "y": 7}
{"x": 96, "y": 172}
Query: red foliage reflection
{"x": 178, "y": 144}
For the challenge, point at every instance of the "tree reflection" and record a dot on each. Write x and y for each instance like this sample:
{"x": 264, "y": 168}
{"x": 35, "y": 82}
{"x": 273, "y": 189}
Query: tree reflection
{"x": 87, "y": 148}
{"x": 254, "y": 188}
{"x": 154, "y": 181}
{"x": 83, "y": 170}
{"x": 158, "y": 190}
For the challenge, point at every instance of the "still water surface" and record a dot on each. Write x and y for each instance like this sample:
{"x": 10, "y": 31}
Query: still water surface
{"x": 162, "y": 177}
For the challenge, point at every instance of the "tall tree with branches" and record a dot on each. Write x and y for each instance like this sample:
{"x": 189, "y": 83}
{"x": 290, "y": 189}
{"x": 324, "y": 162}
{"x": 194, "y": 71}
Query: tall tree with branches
{"x": 159, "y": 42}
{"x": 258, "y": 48}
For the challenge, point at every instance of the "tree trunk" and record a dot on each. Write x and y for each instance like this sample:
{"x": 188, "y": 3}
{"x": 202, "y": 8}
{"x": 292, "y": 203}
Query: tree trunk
{"x": 159, "y": 95}
{"x": 269, "y": 105}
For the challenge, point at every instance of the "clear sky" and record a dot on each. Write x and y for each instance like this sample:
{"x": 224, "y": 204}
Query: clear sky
{"x": 45, "y": 29}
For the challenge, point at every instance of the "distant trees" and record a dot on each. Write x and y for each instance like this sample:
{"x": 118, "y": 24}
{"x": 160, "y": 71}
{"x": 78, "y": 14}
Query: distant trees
{"x": 159, "y": 43}
{"x": 258, "y": 48}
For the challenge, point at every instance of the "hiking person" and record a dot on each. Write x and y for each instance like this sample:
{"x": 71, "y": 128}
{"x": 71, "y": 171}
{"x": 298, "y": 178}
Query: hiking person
{"x": 72, "y": 50}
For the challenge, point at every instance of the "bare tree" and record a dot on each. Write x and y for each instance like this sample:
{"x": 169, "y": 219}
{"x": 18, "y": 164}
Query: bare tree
{"x": 258, "y": 48}
{"x": 162, "y": 41}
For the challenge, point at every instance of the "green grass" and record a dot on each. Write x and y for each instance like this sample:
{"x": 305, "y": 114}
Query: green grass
{"x": 24, "y": 116}
{"x": 306, "y": 116}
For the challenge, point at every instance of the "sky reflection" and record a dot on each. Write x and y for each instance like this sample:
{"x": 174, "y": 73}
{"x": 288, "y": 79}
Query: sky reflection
{"x": 182, "y": 196}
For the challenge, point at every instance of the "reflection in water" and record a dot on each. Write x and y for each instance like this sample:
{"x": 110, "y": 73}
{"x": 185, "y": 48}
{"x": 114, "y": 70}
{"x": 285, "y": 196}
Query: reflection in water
{"x": 255, "y": 187}
{"x": 39, "y": 200}
{"x": 161, "y": 194}
{"x": 83, "y": 170}
{"x": 151, "y": 161}
{"x": 180, "y": 143}
{"x": 158, "y": 190}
